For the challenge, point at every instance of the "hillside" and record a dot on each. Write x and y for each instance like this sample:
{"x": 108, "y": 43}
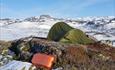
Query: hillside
{"x": 81, "y": 44}
{"x": 95, "y": 56}
{"x": 102, "y": 28}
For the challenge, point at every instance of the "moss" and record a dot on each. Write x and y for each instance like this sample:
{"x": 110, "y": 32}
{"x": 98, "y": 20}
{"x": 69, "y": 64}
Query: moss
{"x": 24, "y": 47}
{"x": 5, "y": 52}
{"x": 4, "y": 45}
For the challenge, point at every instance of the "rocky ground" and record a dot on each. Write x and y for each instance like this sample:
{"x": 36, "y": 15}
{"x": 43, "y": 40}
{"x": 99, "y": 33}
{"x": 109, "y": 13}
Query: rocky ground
{"x": 96, "y": 56}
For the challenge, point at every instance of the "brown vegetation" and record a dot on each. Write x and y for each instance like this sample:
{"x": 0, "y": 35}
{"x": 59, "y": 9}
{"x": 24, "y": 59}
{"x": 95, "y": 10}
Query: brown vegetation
{"x": 95, "y": 56}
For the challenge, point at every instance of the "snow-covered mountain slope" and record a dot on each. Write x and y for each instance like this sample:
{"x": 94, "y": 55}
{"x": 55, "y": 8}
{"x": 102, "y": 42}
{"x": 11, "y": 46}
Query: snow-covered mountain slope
{"x": 102, "y": 28}
{"x": 8, "y": 21}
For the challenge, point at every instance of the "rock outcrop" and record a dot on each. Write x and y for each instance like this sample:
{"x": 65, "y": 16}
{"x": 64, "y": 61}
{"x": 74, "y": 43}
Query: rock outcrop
{"x": 68, "y": 56}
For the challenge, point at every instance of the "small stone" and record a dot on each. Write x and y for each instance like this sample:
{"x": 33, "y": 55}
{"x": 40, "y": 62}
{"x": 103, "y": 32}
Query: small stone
{"x": 60, "y": 68}
{"x": 1, "y": 63}
{"x": 1, "y": 57}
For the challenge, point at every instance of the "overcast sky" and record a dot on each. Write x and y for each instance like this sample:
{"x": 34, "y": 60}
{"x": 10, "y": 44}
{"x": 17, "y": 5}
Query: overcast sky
{"x": 56, "y": 8}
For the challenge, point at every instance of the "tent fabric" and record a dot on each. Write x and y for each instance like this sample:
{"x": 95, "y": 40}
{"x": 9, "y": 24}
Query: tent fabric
{"x": 76, "y": 36}
{"x": 62, "y": 32}
{"x": 58, "y": 31}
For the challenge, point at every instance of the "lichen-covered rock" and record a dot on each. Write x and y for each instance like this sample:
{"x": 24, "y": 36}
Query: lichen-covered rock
{"x": 4, "y": 45}
{"x": 4, "y": 59}
{"x": 94, "y": 56}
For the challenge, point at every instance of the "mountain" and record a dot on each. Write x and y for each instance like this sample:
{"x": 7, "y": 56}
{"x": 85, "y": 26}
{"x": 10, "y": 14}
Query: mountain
{"x": 102, "y": 28}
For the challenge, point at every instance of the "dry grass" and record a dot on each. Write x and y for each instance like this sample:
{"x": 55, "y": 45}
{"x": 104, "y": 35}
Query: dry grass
{"x": 102, "y": 49}
{"x": 77, "y": 57}
{"x": 77, "y": 54}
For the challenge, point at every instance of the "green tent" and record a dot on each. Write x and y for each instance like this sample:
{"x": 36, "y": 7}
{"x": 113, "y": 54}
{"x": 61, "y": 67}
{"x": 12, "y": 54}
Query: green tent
{"x": 58, "y": 31}
{"x": 62, "y": 32}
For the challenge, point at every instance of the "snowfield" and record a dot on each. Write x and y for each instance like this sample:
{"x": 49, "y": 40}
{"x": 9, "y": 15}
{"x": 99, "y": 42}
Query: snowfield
{"x": 17, "y": 65}
{"x": 102, "y": 28}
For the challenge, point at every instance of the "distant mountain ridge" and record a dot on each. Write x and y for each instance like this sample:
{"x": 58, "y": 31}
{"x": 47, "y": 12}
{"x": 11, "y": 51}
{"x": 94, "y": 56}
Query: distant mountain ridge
{"x": 102, "y": 28}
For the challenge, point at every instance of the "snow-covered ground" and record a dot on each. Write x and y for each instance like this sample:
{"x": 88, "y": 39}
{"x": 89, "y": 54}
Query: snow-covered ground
{"x": 102, "y": 28}
{"x": 17, "y": 65}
